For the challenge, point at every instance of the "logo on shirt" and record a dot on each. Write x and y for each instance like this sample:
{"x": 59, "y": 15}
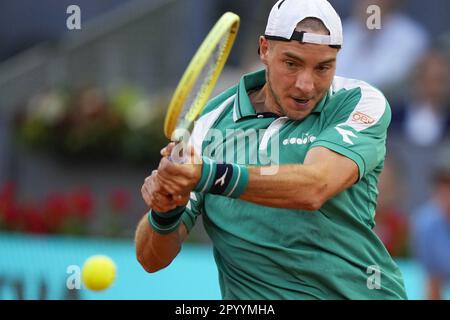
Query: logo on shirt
{"x": 305, "y": 139}
{"x": 360, "y": 117}
{"x": 221, "y": 180}
{"x": 346, "y": 134}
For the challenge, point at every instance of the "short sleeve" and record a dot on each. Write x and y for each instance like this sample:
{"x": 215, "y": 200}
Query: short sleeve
{"x": 357, "y": 129}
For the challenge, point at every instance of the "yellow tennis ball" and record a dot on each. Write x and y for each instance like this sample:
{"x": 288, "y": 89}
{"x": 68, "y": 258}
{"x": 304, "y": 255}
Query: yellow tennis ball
{"x": 98, "y": 272}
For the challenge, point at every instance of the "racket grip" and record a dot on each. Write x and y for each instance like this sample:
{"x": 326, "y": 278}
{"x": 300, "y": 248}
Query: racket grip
{"x": 174, "y": 157}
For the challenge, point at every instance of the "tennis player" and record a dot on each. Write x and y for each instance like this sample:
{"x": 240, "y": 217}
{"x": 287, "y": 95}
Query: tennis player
{"x": 305, "y": 229}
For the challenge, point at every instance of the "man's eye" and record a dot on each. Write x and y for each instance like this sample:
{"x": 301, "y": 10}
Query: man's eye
{"x": 323, "y": 68}
{"x": 289, "y": 63}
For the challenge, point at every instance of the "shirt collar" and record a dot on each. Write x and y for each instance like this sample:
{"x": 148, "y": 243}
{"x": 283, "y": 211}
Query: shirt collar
{"x": 242, "y": 105}
{"x": 319, "y": 107}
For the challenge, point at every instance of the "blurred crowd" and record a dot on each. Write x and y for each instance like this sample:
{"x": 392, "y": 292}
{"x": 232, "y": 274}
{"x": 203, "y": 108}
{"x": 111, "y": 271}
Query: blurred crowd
{"x": 411, "y": 66}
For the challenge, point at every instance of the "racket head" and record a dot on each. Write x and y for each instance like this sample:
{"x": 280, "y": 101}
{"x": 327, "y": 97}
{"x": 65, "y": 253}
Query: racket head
{"x": 200, "y": 77}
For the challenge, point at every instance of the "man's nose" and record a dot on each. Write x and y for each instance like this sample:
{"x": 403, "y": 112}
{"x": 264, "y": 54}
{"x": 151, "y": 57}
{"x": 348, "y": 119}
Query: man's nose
{"x": 305, "y": 82}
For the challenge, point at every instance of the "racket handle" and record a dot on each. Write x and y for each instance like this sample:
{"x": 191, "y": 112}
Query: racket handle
{"x": 174, "y": 157}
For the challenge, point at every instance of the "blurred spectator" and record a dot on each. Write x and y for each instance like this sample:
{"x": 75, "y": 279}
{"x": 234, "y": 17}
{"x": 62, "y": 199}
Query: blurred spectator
{"x": 420, "y": 124}
{"x": 431, "y": 229}
{"x": 391, "y": 222}
{"x": 382, "y": 57}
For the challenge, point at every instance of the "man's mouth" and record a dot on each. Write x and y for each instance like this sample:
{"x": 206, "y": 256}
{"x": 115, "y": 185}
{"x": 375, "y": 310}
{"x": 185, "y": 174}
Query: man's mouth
{"x": 301, "y": 102}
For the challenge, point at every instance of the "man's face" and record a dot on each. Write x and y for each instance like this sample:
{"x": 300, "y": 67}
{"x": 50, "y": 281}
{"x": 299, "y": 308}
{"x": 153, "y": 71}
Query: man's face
{"x": 298, "y": 75}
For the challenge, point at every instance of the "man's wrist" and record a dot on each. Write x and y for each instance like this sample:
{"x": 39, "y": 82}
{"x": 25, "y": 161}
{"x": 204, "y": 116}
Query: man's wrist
{"x": 167, "y": 222}
{"x": 227, "y": 179}
{"x": 208, "y": 173}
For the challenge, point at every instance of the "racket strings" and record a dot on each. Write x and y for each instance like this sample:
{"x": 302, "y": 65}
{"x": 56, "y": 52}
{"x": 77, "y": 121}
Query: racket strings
{"x": 199, "y": 78}
{"x": 189, "y": 109}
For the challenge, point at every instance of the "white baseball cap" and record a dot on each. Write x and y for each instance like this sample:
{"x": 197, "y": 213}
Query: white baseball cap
{"x": 286, "y": 14}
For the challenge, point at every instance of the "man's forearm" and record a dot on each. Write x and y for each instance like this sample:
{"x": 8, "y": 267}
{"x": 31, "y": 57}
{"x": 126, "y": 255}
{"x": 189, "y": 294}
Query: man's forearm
{"x": 323, "y": 174}
{"x": 292, "y": 186}
{"x": 155, "y": 251}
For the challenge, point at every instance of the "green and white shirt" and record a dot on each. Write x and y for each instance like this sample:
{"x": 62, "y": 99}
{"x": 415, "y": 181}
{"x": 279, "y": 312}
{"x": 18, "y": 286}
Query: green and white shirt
{"x": 269, "y": 253}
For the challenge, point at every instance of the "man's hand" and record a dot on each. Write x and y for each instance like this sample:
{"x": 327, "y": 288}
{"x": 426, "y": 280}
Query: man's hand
{"x": 170, "y": 186}
{"x": 158, "y": 199}
{"x": 179, "y": 179}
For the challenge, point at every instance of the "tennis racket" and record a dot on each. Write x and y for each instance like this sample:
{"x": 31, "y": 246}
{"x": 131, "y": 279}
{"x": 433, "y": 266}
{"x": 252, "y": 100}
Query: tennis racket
{"x": 199, "y": 78}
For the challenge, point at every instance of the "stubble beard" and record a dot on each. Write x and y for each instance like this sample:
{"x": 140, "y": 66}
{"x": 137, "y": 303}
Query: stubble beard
{"x": 276, "y": 106}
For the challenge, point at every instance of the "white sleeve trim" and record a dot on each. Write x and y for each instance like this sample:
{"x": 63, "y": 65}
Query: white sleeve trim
{"x": 369, "y": 110}
{"x": 205, "y": 122}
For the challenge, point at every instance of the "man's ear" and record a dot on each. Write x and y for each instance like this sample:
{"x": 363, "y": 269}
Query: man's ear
{"x": 263, "y": 49}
